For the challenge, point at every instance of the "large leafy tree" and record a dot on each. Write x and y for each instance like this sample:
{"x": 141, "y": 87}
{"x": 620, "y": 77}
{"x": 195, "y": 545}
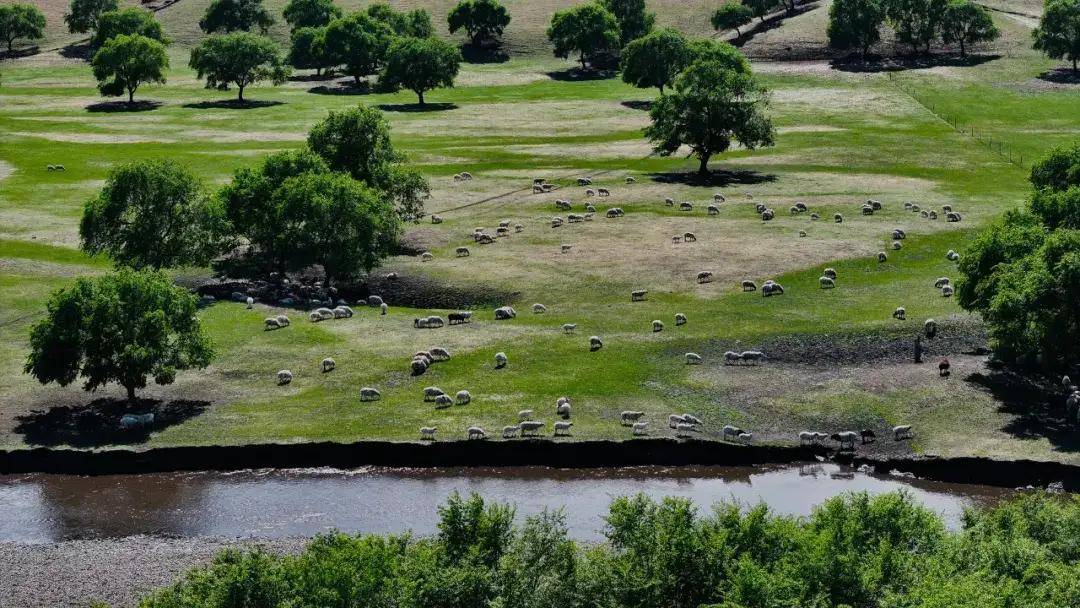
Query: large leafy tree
{"x": 416, "y": 23}
{"x": 236, "y": 16}
{"x": 1022, "y": 273}
{"x": 239, "y": 59}
{"x": 152, "y": 213}
{"x": 655, "y": 59}
{"x": 20, "y": 21}
{"x": 310, "y": 13}
{"x": 732, "y": 16}
{"x": 916, "y": 22}
{"x": 126, "y": 21}
{"x": 1058, "y": 34}
{"x": 711, "y": 106}
{"x": 359, "y": 43}
{"x": 966, "y": 23}
{"x": 483, "y": 20}
{"x": 83, "y": 15}
{"x": 634, "y": 20}
{"x": 855, "y": 24}
{"x": 125, "y": 62}
{"x": 761, "y": 8}
{"x": 123, "y": 328}
{"x": 307, "y": 49}
{"x": 419, "y": 65}
{"x": 589, "y": 30}
{"x": 707, "y": 49}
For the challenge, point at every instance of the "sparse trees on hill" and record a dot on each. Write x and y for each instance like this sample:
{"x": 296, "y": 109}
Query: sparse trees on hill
{"x": 123, "y": 327}
{"x": 239, "y": 59}
{"x": 126, "y": 21}
{"x": 310, "y": 13}
{"x": 589, "y": 30}
{"x": 125, "y": 62}
{"x": 761, "y": 8}
{"x": 654, "y": 60}
{"x": 358, "y": 43}
{"x": 916, "y": 22}
{"x": 419, "y": 65}
{"x": 20, "y": 21}
{"x": 416, "y": 23}
{"x": 1058, "y": 34}
{"x": 855, "y": 24}
{"x": 307, "y": 49}
{"x": 235, "y": 16}
{"x": 965, "y": 23}
{"x": 82, "y": 16}
{"x": 483, "y": 20}
{"x": 634, "y": 21}
{"x": 732, "y": 16}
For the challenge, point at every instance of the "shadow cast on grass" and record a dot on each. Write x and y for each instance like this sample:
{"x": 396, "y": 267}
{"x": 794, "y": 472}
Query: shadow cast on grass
{"x": 1039, "y": 409}
{"x": 343, "y": 88}
{"x": 874, "y": 63}
{"x": 124, "y": 106}
{"x": 77, "y": 50}
{"x": 232, "y": 104}
{"x": 415, "y": 107}
{"x": 19, "y": 53}
{"x": 474, "y": 54}
{"x": 581, "y": 75}
{"x": 715, "y": 178}
{"x": 637, "y": 104}
{"x": 97, "y": 423}
{"x": 771, "y": 23}
{"x": 1061, "y": 76}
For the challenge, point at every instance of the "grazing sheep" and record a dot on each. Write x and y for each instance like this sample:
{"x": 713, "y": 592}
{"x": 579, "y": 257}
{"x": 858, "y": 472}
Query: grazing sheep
{"x": 839, "y": 219}
{"x": 674, "y": 420}
{"x": 867, "y": 210}
{"x": 925, "y": 214}
{"x": 525, "y": 415}
{"x": 628, "y": 416}
{"x": 902, "y": 432}
{"x": 390, "y": 276}
{"x": 324, "y": 313}
{"x": 425, "y": 355}
{"x": 595, "y": 343}
{"x": 562, "y": 205}
{"x": 675, "y": 240}
{"x": 772, "y": 289}
{"x": 908, "y": 205}
{"x": 815, "y": 217}
{"x": 898, "y": 234}
{"x": 807, "y": 438}
{"x": 746, "y": 438}
{"x": 941, "y": 282}
{"x": 328, "y": 365}
{"x": 867, "y": 435}
{"x": 462, "y": 316}
{"x": 284, "y": 377}
{"x": 846, "y": 439}
{"x": 569, "y": 327}
{"x": 802, "y": 233}
{"x": 603, "y": 192}
{"x": 952, "y": 256}
{"x": 370, "y": 394}
{"x": 565, "y": 248}
{"x": 947, "y": 291}
{"x": 706, "y": 276}
{"x": 900, "y": 313}
{"x": 589, "y": 216}
{"x": 590, "y": 208}
{"x": 631, "y": 180}
{"x": 374, "y": 301}
{"x": 590, "y": 192}
{"x": 613, "y": 212}
{"x": 952, "y": 216}
{"x": 946, "y": 208}
{"x": 344, "y": 312}
{"x": 897, "y": 245}
{"x": 686, "y": 206}
{"x": 760, "y": 207}
{"x": 539, "y": 309}
{"x": 443, "y": 401}
{"x": 689, "y": 237}
{"x": 556, "y": 222}
{"x": 584, "y": 181}
{"x": 428, "y": 433}
{"x": 875, "y": 205}
{"x": 640, "y": 429}
{"x": 519, "y": 228}
{"x": 793, "y": 210}
{"x": 436, "y": 219}
{"x": 500, "y": 360}
{"x": 749, "y": 286}
{"x": 767, "y": 215}
{"x": 463, "y": 397}
{"x": 314, "y": 317}
{"x": 943, "y": 368}
{"x": 829, "y": 272}
{"x": 669, "y": 202}
{"x": 713, "y": 210}
{"x": 509, "y": 432}
{"x": 563, "y": 411}
{"x": 282, "y": 320}
{"x": 426, "y": 256}
{"x": 718, "y": 198}
{"x": 272, "y": 323}
{"x": 638, "y": 295}
{"x": 250, "y": 302}
{"x": 530, "y": 427}
{"x": 827, "y": 283}
{"x": 657, "y": 325}
{"x": 475, "y": 432}
{"x": 732, "y": 358}
{"x": 439, "y": 354}
{"x": 691, "y": 419}
{"x": 432, "y": 392}
{"x": 484, "y": 239}
{"x": 501, "y": 232}
{"x": 684, "y": 430}
{"x": 504, "y": 313}
{"x": 882, "y": 257}
{"x": 680, "y": 319}
{"x": 731, "y": 431}
{"x": 930, "y": 328}
{"x": 537, "y": 189}
{"x": 915, "y": 208}
{"x": 383, "y": 308}
{"x": 752, "y": 356}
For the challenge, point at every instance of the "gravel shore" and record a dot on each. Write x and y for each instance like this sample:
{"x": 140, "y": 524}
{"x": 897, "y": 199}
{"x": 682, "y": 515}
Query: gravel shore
{"x": 114, "y": 571}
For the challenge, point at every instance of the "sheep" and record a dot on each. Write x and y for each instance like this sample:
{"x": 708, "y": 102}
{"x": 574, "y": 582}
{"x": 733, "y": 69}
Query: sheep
{"x": 484, "y": 239}
{"x": 563, "y": 411}
{"x": 952, "y": 216}
{"x": 915, "y": 208}
{"x": 475, "y": 432}
{"x": 772, "y": 289}
{"x": 1066, "y": 381}
{"x": 426, "y": 256}
{"x": 897, "y": 245}
{"x": 603, "y": 192}
{"x": 899, "y": 313}
{"x": 504, "y": 224}
{"x": 562, "y": 205}
{"x": 510, "y": 431}
{"x": 539, "y": 308}
{"x": 827, "y": 283}
{"x": 867, "y": 436}
{"x": 845, "y": 438}
{"x": 613, "y": 212}
{"x": 463, "y": 397}
{"x": 930, "y": 328}
{"x": 684, "y": 430}
{"x": 676, "y": 239}
{"x": 802, "y": 233}
{"x": 908, "y": 205}
{"x": 749, "y": 286}
{"x": 902, "y": 431}
{"x": 746, "y": 438}
{"x": 390, "y": 276}
{"x": 250, "y": 301}
{"x": 718, "y": 198}
{"x": 590, "y": 192}
{"x": 328, "y": 365}
{"x": 589, "y": 208}
{"x": 759, "y": 208}
{"x": 674, "y": 420}
{"x": 829, "y": 272}
{"x": 425, "y": 355}
{"x": 432, "y": 392}
{"x": 314, "y": 317}
{"x": 731, "y": 431}
{"x": 589, "y": 216}
{"x": 443, "y": 401}
{"x": 584, "y": 181}
{"x": 383, "y": 308}
{"x": 631, "y": 180}
{"x": 705, "y": 276}
{"x": 752, "y": 356}
{"x": 713, "y": 210}
{"x": 882, "y": 257}
{"x": 504, "y": 313}
{"x": 569, "y": 327}
{"x": 519, "y": 228}
{"x": 941, "y": 282}
{"x": 686, "y": 206}
{"x": 272, "y": 323}
{"x": 946, "y": 208}
{"x": 465, "y": 175}
{"x": 324, "y": 313}
{"x": 524, "y": 415}
{"x": 500, "y": 360}
{"x": 537, "y": 189}
{"x": 808, "y": 438}
{"x": 669, "y": 202}
{"x": 898, "y": 234}
{"x": 374, "y": 301}
{"x": 732, "y": 358}
{"x": 556, "y": 222}
{"x": 628, "y": 416}
{"x": 574, "y": 218}
{"x": 640, "y": 428}
{"x": 943, "y": 368}
{"x": 428, "y": 433}
{"x": 439, "y": 353}
{"x": 565, "y": 248}
{"x": 947, "y": 291}
{"x": 282, "y": 320}
{"x": 767, "y": 215}
{"x": 689, "y": 237}
{"x": 793, "y": 210}
{"x": 952, "y": 256}
{"x": 657, "y": 325}
{"x": 501, "y": 232}
{"x": 432, "y": 322}
{"x": 530, "y": 427}
{"x": 838, "y": 218}
{"x": 595, "y": 343}
{"x": 691, "y": 419}
{"x": 932, "y": 215}
{"x": 343, "y": 312}
{"x": 436, "y": 219}
{"x": 638, "y": 295}
{"x": 875, "y": 205}
{"x": 925, "y": 214}
{"x": 370, "y": 394}
{"x": 457, "y": 318}
{"x": 867, "y": 210}
{"x": 284, "y": 377}
{"x": 562, "y": 400}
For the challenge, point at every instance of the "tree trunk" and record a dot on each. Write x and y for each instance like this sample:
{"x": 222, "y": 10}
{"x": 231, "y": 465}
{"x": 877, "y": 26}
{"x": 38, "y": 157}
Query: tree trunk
{"x": 703, "y": 168}
{"x": 583, "y": 60}
{"x": 130, "y": 393}
{"x": 738, "y": 34}
{"x": 131, "y": 95}
{"x": 1074, "y": 65}
{"x": 318, "y": 72}
{"x": 240, "y": 94}
{"x": 963, "y": 51}
{"x": 420, "y": 94}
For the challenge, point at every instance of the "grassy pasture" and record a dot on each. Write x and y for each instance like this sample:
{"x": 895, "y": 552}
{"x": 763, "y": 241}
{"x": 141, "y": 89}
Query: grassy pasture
{"x": 843, "y": 137}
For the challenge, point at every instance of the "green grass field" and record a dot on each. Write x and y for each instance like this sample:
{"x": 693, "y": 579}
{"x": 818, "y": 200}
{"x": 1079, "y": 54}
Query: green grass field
{"x": 843, "y": 137}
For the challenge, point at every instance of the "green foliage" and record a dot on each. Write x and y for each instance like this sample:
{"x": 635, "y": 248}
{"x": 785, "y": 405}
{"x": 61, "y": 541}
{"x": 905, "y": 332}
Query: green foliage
{"x": 472, "y": 532}
{"x": 126, "y": 21}
{"x": 20, "y": 21}
{"x": 416, "y": 23}
{"x": 122, "y": 327}
{"x": 1058, "y": 34}
{"x": 152, "y": 213}
{"x": 732, "y": 16}
{"x": 965, "y": 23}
{"x": 761, "y": 8}
{"x": 240, "y": 59}
{"x": 708, "y": 49}
{"x": 235, "y": 16}
{"x": 855, "y": 24}
{"x": 711, "y": 106}
{"x": 83, "y": 15}
{"x": 419, "y": 65}
{"x": 1058, "y": 170}
{"x": 483, "y": 20}
{"x": 634, "y": 20}
{"x": 654, "y": 60}
{"x": 125, "y": 62}
{"x": 589, "y": 30}
{"x": 307, "y": 49}
{"x": 916, "y": 22}
{"x": 359, "y": 43}
{"x": 310, "y": 13}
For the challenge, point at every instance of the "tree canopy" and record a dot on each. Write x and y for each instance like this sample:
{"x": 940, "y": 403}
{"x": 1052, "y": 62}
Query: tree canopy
{"x": 307, "y": 49}
{"x": 916, "y": 22}
{"x": 855, "y": 24}
{"x": 235, "y": 16}
{"x": 655, "y": 59}
{"x": 310, "y": 13}
{"x": 589, "y": 30}
{"x": 123, "y": 328}
{"x": 711, "y": 106}
{"x": 152, "y": 213}
{"x": 359, "y": 43}
{"x": 419, "y": 65}
{"x": 125, "y": 62}
{"x": 1058, "y": 34}
{"x": 732, "y": 16}
{"x": 83, "y": 15}
{"x": 633, "y": 18}
{"x": 416, "y": 23}
{"x": 239, "y": 59}
{"x": 708, "y": 49}
{"x": 20, "y": 21}
{"x": 126, "y": 21}
{"x": 963, "y": 22}
{"x": 761, "y": 8}
{"x": 483, "y": 20}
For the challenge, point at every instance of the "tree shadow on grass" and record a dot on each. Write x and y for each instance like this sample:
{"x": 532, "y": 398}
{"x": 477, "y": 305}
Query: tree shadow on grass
{"x": 771, "y": 23}
{"x": 97, "y": 423}
{"x": 715, "y": 178}
{"x": 19, "y": 53}
{"x": 343, "y": 88}
{"x": 874, "y": 63}
{"x": 1061, "y": 76}
{"x": 1039, "y": 408}
{"x": 637, "y": 104}
{"x": 312, "y": 77}
{"x": 580, "y": 75}
{"x": 233, "y": 104}
{"x": 415, "y": 107}
{"x": 123, "y": 106}
{"x": 77, "y": 50}
{"x": 474, "y": 54}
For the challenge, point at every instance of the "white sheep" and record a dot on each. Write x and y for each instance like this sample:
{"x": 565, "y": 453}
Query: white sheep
{"x": 657, "y": 325}
{"x": 569, "y": 327}
{"x": 897, "y": 245}
{"x": 691, "y": 419}
{"x": 640, "y": 428}
{"x": 669, "y": 202}
{"x": 767, "y": 215}
{"x": 284, "y": 377}
{"x": 628, "y": 416}
{"x": 426, "y": 256}
{"x": 684, "y": 430}
{"x": 500, "y": 360}
{"x": 462, "y": 252}
{"x": 250, "y": 302}
{"x": 838, "y": 218}
{"x": 732, "y": 358}
{"x": 463, "y": 397}
{"x": 680, "y": 319}
{"x": 746, "y": 438}
{"x": 584, "y": 181}
{"x": 802, "y": 233}
{"x": 439, "y": 354}
{"x": 674, "y": 420}
{"x": 693, "y": 359}
{"x": 370, "y": 394}
{"x": 328, "y": 365}
{"x": 749, "y": 286}
{"x": 428, "y": 433}
{"x": 539, "y": 309}
{"x": 563, "y": 410}
{"x": 900, "y": 313}
{"x": 524, "y": 415}
{"x": 509, "y": 432}
{"x": 941, "y": 282}
{"x": 383, "y": 308}
{"x": 562, "y": 427}
{"x": 272, "y": 323}
{"x": 752, "y": 356}
{"x": 638, "y": 295}
{"x": 631, "y": 180}
{"x": 436, "y": 219}
{"x": 431, "y": 392}
{"x": 519, "y": 228}
{"x": 686, "y": 206}
{"x": 830, "y": 272}
{"x": 418, "y": 366}
{"x": 282, "y": 320}
{"x": 718, "y": 198}
{"x": 898, "y": 234}
{"x": 590, "y": 192}
{"x": 475, "y": 432}
{"x": 603, "y": 192}
{"x": 807, "y": 437}
{"x": 952, "y": 256}
{"x": 595, "y": 343}
{"x": 882, "y": 257}
{"x": 504, "y": 313}
{"x": 947, "y": 291}
{"x": 731, "y": 431}
{"x": 704, "y": 276}
{"x": 772, "y": 289}
{"x": 565, "y": 248}
{"x": 902, "y": 432}
{"x": 443, "y": 401}
{"x": 826, "y": 282}
{"x": 530, "y": 427}
{"x": 343, "y": 312}
{"x": 930, "y": 328}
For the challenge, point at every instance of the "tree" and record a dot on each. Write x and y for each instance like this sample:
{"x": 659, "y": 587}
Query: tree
{"x": 359, "y": 43}
{"x": 126, "y": 21}
{"x": 1058, "y": 34}
{"x": 416, "y": 23}
{"x": 419, "y": 65}
{"x": 235, "y": 15}
{"x": 125, "y": 62}
{"x": 761, "y": 8}
{"x": 308, "y": 49}
{"x": 152, "y": 213}
{"x": 855, "y": 24}
{"x": 965, "y": 22}
{"x": 83, "y": 15}
{"x": 916, "y": 22}
{"x": 20, "y": 21}
{"x": 634, "y": 20}
{"x": 123, "y": 327}
{"x": 483, "y": 20}
{"x": 707, "y": 49}
{"x": 310, "y": 13}
{"x": 589, "y": 29}
{"x": 711, "y": 105}
{"x": 240, "y": 59}
{"x": 732, "y": 16}
{"x": 655, "y": 59}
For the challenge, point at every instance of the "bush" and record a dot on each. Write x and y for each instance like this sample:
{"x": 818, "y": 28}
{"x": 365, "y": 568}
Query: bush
{"x": 229, "y": 16}
{"x": 589, "y": 30}
{"x": 419, "y": 65}
{"x": 732, "y": 16}
{"x": 855, "y": 24}
{"x": 83, "y": 15}
{"x": 241, "y": 59}
{"x": 483, "y": 20}
{"x": 310, "y": 13}
{"x": 20, "y": 21}
{"x": 127, "y": 21}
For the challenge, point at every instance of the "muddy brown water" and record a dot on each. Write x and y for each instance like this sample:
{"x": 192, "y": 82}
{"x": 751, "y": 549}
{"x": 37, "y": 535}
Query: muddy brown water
{"x": 278, "y": 503}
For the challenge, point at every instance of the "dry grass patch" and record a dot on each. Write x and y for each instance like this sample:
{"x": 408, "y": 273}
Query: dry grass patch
{"x": 559, "y": 118}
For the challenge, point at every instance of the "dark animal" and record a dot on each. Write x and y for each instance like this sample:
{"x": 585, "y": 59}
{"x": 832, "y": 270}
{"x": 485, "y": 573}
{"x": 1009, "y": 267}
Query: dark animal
{"x": 943, "y": 368}
{"x": 867, "y": 435}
